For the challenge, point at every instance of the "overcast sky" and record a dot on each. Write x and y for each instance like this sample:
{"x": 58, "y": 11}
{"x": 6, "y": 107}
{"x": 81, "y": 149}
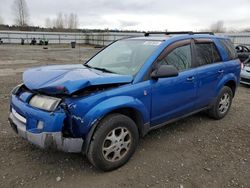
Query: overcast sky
{"x": 140, "y": 15}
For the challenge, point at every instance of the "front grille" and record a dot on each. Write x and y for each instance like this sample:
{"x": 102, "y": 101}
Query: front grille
{"x": 245, "y": 80}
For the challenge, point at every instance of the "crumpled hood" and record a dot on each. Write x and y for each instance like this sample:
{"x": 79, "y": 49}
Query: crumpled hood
{"x": 67, "y": 79}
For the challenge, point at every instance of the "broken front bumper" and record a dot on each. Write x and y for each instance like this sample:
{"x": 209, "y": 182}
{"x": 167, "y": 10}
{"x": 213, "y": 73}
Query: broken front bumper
{"x": 50, "y": 136}
{"x": 46, "y": 139}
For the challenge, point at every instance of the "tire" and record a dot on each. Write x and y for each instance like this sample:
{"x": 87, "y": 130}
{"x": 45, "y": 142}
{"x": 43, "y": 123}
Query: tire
{"x": 113, "y": 143}
{"x": 222, "y": 105}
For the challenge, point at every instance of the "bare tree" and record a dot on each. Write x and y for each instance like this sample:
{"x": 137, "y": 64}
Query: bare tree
{"x": 65, "y": 21}
{"x": 246, "y": 30}
{"x": 59, "y": 21}
{"x": 20, "y": 10}
{"x": 48, "y": 23}
{"x": 1, "y": 20}
{"x": 53, "y": 23}
{"x": 218, "y": 27}
{"x": 73, "y": 21}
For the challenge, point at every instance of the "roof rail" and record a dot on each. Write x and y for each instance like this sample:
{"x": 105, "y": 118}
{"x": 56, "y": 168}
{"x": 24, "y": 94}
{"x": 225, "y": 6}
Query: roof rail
{"x": 146, "y": 34}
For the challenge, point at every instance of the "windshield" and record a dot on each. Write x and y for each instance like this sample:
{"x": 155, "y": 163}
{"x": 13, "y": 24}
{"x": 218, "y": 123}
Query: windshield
{"x": 124, "y": 57}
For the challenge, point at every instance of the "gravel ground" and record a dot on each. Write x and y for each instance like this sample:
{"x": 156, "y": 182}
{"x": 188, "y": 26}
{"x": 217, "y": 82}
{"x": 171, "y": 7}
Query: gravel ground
{"x": 195, "y": 152}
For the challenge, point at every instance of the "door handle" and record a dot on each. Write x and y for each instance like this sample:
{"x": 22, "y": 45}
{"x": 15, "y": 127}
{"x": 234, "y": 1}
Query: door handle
{"x": 220, "y": 71}
{"x": 191, "y": 78}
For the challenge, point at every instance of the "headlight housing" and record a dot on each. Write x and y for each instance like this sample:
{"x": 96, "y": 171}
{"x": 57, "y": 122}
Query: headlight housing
{"x": 44, "y": 102}
{"x": 15, "y": 90}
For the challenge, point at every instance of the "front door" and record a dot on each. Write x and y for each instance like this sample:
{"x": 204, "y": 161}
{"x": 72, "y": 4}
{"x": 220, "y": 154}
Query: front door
{"x": 175, "y": 96}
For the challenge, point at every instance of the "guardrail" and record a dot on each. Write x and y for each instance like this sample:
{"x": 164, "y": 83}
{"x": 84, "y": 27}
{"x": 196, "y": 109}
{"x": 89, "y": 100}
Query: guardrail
{"x": 99, "y": 39}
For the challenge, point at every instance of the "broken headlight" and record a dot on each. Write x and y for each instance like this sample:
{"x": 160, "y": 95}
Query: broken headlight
{"x": 16, "y": 89}
{"x": 44, "y": 102}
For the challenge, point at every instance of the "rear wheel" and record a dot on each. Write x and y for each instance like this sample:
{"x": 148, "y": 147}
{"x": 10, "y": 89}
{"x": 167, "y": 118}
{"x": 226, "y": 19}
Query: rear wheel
{"x": 222, "y": 104}
{"x": 113, "y": 143}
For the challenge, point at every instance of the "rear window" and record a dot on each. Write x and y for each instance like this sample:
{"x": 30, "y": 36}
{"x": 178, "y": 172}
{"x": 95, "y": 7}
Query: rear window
{"x": 207, "y": 53}
{"x": 229, "y": 47}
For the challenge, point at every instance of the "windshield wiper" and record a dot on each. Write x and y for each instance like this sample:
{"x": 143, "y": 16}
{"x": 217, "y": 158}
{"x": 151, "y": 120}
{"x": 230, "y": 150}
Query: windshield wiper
{"x": 99, "y": 68}
{"x": 86, "y": 65}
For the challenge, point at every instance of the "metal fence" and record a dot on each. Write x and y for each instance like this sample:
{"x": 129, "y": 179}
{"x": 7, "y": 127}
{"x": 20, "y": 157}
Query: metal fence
{"x": 55, "y": 38}
{"x": 100, "y": 39}
{"x": 240, "y": 38}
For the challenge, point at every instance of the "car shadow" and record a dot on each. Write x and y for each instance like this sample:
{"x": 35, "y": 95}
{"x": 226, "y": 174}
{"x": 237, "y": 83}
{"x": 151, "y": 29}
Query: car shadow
{"x": 245, "y": 85}
{"x": 182, "y": 125}
{"x": 60, "y": 161}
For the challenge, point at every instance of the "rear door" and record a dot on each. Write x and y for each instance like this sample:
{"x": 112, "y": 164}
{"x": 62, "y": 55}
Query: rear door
{"x": 210, "y": 70}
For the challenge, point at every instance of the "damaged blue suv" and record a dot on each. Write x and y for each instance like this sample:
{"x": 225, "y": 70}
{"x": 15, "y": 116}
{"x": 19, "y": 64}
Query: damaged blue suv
{"x": 102, "y": 107}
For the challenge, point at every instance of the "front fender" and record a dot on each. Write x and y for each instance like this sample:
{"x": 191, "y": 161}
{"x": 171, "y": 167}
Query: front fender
{"x": 93, "y": 116}
{"x": 114, "y": 103}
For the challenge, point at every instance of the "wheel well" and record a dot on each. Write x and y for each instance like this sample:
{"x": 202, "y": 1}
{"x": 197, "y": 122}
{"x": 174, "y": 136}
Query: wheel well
{"x": 232, "y": 85}
{"x": 134, "y": 115}
{"x": 130, "y": 112}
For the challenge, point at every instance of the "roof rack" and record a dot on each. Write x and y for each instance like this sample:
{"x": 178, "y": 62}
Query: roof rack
{"x": 146, "y": 34}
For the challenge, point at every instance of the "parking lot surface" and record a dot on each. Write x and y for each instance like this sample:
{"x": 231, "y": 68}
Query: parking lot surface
{"x": 194, "y": 152}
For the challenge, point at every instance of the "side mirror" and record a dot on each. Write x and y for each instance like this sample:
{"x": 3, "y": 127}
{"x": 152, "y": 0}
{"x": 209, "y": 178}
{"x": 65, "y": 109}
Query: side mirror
{"x": 164, "y": 71}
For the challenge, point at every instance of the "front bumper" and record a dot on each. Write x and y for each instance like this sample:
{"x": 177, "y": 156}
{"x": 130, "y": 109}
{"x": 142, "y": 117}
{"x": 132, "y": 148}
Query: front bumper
{"x": 25, "y": 125}
{"x": 46, "y": 139}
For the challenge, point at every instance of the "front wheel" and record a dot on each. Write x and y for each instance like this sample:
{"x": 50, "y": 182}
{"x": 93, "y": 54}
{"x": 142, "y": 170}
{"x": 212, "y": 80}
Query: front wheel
{"x": 222, "y": 104}
{"x": 113, "y": 143}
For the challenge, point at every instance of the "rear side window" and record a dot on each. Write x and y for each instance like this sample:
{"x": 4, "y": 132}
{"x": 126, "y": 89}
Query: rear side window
{"x": 207, "y": 53}
{"x": 229, "y": 47}
{"x": 180, "y": 58}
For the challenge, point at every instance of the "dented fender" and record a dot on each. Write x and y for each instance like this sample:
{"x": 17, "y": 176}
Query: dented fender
{"x": 115, "y": 103}
{"x": 93, "y": 117}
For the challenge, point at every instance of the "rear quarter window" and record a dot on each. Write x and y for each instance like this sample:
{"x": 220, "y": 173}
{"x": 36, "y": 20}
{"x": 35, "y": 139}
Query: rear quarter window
{"x": 229, "y": 48}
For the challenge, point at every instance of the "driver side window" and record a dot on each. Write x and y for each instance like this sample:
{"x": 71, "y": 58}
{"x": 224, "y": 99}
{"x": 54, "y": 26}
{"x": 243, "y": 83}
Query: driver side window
{"x": 179, "y": 57}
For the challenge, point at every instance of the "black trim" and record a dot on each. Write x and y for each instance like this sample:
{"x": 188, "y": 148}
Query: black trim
{"x": 147, "y": 128}
{"x": 88, "y": 138}
{"x": 13, "y": 125}
{"x": 193, "y": 54}
{"x": 177, "y": 119}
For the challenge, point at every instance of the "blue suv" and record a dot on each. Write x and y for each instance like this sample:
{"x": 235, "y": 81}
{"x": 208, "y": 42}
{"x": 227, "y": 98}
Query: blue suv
{"x": 134, "y": 85}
